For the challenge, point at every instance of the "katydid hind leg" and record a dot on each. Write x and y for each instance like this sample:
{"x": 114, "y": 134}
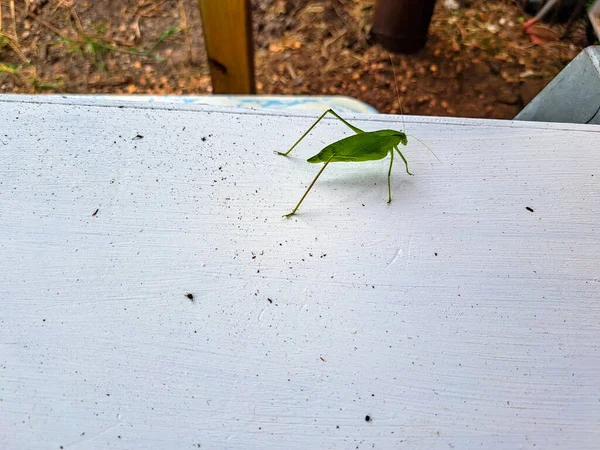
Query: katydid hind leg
{"x": 330, "y": 111}
{"x": 303, "y": 136}
{"x": 403, "y": 159}
{"x": 348, "y": 124}
{"x": 287, "y": 216}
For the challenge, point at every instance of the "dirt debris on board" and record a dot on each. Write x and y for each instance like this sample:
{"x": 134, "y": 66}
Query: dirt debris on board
{"x": 478, "y": 61}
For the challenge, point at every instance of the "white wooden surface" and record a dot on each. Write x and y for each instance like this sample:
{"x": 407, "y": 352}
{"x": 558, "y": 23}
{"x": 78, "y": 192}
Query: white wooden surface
{"x": 453, "y": 317}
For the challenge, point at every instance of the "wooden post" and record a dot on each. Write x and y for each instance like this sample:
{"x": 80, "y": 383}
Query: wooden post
{"x": 227, "y": 29}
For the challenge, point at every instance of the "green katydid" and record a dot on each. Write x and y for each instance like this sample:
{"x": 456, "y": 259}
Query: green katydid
{"x": 363, "y": 146}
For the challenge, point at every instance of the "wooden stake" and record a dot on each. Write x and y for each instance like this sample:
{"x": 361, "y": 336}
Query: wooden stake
{"x": 228, "y": 35}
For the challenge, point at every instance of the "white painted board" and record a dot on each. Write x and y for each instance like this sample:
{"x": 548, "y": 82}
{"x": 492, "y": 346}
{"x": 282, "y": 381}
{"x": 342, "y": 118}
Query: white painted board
{"x": 453, "y": 317}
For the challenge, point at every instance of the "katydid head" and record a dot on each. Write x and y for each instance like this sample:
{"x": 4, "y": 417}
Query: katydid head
{"x": 399, "y": 137}
{"x": 395, "y": 137}
{"x": 402, "y": 138}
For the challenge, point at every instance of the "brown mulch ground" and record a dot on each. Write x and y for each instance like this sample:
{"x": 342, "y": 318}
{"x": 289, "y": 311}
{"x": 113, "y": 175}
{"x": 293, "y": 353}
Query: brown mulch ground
{"x": 477, "y": 63}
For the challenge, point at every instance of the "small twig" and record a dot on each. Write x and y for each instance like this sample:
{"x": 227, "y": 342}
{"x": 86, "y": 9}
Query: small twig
{"x": 58, "y": 5}
{"x": 76, "y": 24}
{"x": 12, "y": 44}
{"x": 0, "y": 15}
{"x": 61, "y": 3}
{"x": 328, "y": 42}
{"x": 151, "y": 7}
{"x": 14, "y": 21}
{"x": 331, "y": 65}
{"x": 48, "y": 25}
{"x": 291, "y": 70}
{"x": 337, "y": 12}
{"x": 75, "y": 17}
{"x": 184, "y": 24}
{"x": 143, "y": 11}
{"x": 136, "y": 26}
{"x": 358, "y": 58}
{"x": 123, "y": 43}
{"x": 7, "y": 35}
{"x": 525, "y": 47}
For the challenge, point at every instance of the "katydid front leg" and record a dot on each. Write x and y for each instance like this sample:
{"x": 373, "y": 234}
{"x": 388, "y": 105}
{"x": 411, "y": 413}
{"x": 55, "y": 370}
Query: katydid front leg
{"x": 403, "y": 159}
{"x": 390, "y": 176}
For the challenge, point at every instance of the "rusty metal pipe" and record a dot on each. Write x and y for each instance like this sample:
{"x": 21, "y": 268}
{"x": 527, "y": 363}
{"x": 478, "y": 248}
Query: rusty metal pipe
{"x": 401, "y": 25}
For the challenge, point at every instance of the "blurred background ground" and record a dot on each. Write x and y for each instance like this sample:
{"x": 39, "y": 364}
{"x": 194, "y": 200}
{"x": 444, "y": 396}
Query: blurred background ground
{"x": 477, "y": 63}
